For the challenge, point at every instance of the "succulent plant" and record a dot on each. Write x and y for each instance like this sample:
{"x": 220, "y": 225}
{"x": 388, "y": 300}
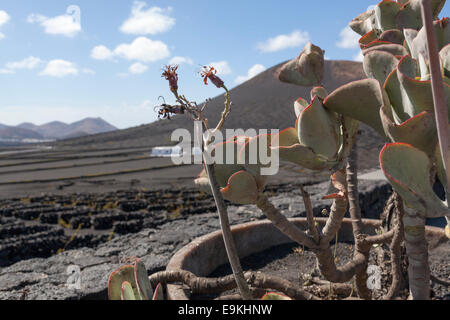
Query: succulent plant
{"x": 130, "y": 282}
{"x": 395, "y": 55}
{"x": 239, "y": 178}
{"x": 321, "y": 139}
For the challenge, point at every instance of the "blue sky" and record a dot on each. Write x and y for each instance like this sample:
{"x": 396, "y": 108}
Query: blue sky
{"x": 106, "y": 61}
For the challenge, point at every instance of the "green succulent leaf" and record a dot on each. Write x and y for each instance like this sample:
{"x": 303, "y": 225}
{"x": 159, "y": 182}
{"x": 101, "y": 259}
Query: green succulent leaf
{"x": 307, "y": 70}
{"x": 379, "y": 64}
{"x": 367, "y": 39}
{"x": 275, "y": 296}
{"x": 291, "y": 150}
{"x": 319, "y": 129}
{"x": 418, "y": 131}
{"x": 256, "y": 154}
{"x": 419, "y": 43}
{"x": 360, "y": 100}
{"x": 408, "y": 170}
{"x": 320, "y": 92}
{"x": 410, "y": 35}
{"x": 416, "y": 95}
{"x": 159, "y": 293}
{"x": 117, "y": 278}
{"x": 410, "y": 15}
{"x": 241, "y": 189}
{"x": 440, "y": 167}
{"x": 395, "y": 49}
{"x": 386, "y": 13}
{"x": 445, "y": 60}
{"x": 227, "y": 159}
{"x": 127, "y": 292}
{"x": 364, "y": 23}
{"x": 300, "y": 105}
{"x": 142, "y": 281}
{"x": 393, "y": 36}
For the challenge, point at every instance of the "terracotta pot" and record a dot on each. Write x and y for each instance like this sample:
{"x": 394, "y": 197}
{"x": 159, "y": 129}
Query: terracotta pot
{"x": 205, "y": 254}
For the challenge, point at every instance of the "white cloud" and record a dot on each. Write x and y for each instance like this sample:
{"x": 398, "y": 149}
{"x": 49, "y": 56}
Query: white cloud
{"x": 143, "y": 49}
{"x": 28, "y": 63}
{"x": 359, "y": 57}
{"x": 153, "y": 20}
{"x": 284, "y": 41}
{"x": 254, "y": 71}
{"x": 67, "y": 24}
{"x": 221, "y": 67}
{"x": 102, "y": 53}
{"x": 7, "y": 71}
{"x": 181, "y": 60}
{"x": 60, "y": 69}
{"x": 348, "y": 39}
{"x": 4, "y": 18}
{"x": 88, "y": 71}
{"x": 138, "y": 68}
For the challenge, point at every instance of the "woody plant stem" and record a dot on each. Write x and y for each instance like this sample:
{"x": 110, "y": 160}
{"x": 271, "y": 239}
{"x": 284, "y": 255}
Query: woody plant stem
{"x": 230, "y": 246}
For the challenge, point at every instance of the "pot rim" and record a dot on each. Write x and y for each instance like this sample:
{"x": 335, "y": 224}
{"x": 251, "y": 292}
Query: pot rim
{"x": 190, "y": 252}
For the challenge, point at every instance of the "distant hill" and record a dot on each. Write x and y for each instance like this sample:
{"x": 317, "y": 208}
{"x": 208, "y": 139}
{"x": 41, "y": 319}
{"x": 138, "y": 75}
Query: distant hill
{"x": 261, "y": 103}
{"x": 19, "y": 134}
{"x": 55, "y": 130}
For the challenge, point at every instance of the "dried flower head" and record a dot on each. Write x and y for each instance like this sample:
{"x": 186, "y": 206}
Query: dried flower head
{"x": 210, "y": 73}
{"x": 170, "y": 74}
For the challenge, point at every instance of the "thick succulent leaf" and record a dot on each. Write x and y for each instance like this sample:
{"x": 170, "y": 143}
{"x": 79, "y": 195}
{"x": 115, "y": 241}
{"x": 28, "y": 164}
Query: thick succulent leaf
{"x": 445, "y": 60}
{"x": 360, "y": 100}
{"x": 394, "y": 36}
{"x": 419, "y": 44}
{"x": 339, "y": 181}
{"x": 397, "y": 97}
{"x": 320, "y": 92}
{"x": 227, "y": 160}
{"x": 395, "y": 49}
{"x": 290, "y": 150}
{"x": 241, "y": 189}
{"x": 418, "y": 131}
{"x": 307, "y": 70}
{"x": 300, "y": 105}
{"x": 142, "y": 281}
{"x": 419, "y": 93}
{"x": 386, "y": 13}
{"x": 256, "y": 154}
{"x": 410, "y": 15}
{"x": 367, "y": 39}
{"x": 117, "y": 278}
{"x": 410, "y": 35}
{"x": 159, "y": 293}
{"x": 127, "y": 292}
{"x": 364, "y": 23}
{"x": 408, "y": 170}
{"x": 275, "y": 296}
{"x": 287, "y": 138}
{"x": 319, "y": 129}
{"x": 440, "y": 167}
{"x": 379, "y": 64}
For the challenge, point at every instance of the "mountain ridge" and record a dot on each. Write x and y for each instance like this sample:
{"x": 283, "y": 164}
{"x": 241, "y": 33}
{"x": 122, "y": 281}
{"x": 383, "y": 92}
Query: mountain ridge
{"x": 54, "y": 130}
